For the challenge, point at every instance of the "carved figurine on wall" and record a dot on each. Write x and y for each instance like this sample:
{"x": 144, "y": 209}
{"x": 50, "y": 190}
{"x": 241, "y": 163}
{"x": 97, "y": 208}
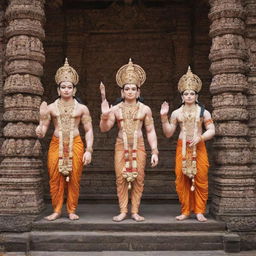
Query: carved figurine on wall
{"x": 130, "y": 155}
{"x": 191, "y": 156}
{"x": 66, "y": 154}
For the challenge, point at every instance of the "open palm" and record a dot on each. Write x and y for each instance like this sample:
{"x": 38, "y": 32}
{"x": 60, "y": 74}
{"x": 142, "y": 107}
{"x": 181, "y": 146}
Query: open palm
{"x": 164, "y": 108}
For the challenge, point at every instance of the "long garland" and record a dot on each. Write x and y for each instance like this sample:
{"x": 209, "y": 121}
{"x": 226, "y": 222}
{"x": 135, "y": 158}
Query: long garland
{"x": 189, "y": 156}
{"x": 129, "y": 123}
{"x": 66, "y": 120}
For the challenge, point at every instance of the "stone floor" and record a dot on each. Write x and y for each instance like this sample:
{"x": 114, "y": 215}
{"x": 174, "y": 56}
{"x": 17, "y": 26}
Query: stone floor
{"x": 99, "y": 217}
{"x": 103, "y": 213}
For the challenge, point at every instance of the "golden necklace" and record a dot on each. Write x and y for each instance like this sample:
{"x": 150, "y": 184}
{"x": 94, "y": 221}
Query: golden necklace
{"x": 129, "y": 112}
{"x": 190, "y": 121}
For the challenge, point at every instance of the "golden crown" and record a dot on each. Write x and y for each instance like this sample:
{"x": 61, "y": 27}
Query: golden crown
{"x": 130, "y": 74}
{"x": 189, "y": 81}
{"x": 66, "y": 74}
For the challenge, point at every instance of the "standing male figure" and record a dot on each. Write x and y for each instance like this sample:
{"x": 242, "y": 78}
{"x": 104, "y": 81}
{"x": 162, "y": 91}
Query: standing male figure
{"x": 66, "y": 154}
{"x": 191, "y": 156}
{"x": 130, "y": 155}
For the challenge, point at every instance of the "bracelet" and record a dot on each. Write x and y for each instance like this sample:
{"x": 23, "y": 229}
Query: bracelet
{"x": 103, "y": 117}
{"x": 201, "y": 138}
{"x": 89, "y": 149}
{"x": 164, "y": 119}
{"x": 45, "y": 117}
{"x": 154, "y": 151}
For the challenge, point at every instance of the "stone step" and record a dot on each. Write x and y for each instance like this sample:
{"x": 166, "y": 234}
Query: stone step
{"x": 133, "y": 253}
{"x": 95, "y": 231}
{"x": 98, "y": 217}
{"x": 128, "y": 227}
{"x": 78, "y": 241}
{"x": 129, "y": 241}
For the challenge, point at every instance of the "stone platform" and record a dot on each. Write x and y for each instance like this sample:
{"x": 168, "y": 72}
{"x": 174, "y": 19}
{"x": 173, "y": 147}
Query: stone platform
{"x": 95, "y": 231}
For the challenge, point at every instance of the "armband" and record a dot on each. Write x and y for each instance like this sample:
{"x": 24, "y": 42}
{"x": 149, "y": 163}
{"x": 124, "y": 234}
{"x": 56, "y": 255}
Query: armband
{"x": 148, "y": 121}
{"x": 45, "y": 117}
{"x": 86, "y": 119}
{"x": 207, "y": 122}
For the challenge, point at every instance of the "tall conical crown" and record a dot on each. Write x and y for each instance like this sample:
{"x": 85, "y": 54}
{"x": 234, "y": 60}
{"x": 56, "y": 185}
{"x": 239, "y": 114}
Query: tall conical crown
{"x": 66, "y": 74}
{"x": 130, "y": 74}
{"x": 189, "y": 81}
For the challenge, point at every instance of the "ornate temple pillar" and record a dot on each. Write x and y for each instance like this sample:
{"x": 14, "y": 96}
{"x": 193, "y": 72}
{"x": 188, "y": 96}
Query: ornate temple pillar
{"x": 233, "y": 198}
{"x": 21, "y": 194}
{"x": 250, "y": 7}
{"x": 1, "y": 69}
{"x": 250, "y": 39}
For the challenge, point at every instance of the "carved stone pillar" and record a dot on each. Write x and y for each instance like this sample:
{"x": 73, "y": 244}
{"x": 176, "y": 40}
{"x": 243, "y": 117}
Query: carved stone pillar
{"x": 1, "y": 69}
{"x": 250, "y": 39}
{"x": 20, "y": 171}
{"x": 233, "y": 198}
{"x": 250, "y": 7}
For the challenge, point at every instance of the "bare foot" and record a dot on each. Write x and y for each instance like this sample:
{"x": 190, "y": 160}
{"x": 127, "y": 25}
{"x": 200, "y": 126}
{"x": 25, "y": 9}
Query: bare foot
{"x": 200, "y": 217}
{"x": 73, "y": 216}
{"x": 119, "y": 217}
{"x": 182, "y": 217}
{"x": 53, "y": 216}
{"x": 137, "y": 217}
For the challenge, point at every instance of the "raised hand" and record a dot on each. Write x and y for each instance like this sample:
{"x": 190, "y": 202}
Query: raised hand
{"x": 105, "y": 109}
{"x": 102, "y": 91}
{"x": 164, "y": 108}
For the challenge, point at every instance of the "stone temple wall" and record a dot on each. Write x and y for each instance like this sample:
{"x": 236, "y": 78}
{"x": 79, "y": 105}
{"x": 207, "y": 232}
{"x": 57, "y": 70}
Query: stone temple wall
{"x": 163, "y": 38}
{"x": 2, "y": 45}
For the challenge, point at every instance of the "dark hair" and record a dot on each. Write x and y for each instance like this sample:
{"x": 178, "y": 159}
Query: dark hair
{"x": 118, "y": 100}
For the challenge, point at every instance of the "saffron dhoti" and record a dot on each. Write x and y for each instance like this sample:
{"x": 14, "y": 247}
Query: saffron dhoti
{"x": 192, "y": 201}
{"x": 57, "y": 182}
{"x": 122, "y": 184}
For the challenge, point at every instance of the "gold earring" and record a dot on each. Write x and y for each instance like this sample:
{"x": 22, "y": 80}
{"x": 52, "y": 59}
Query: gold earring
{"x": 74, "y": 92}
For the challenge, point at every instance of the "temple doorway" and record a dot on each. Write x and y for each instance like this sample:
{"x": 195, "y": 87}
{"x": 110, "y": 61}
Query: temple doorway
{"x": 98, "y": 37}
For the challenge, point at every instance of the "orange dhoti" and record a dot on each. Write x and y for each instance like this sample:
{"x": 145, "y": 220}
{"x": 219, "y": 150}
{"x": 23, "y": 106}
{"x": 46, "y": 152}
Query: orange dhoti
{"x": 58, "y": 183}
{"x": 192, "y": 201}
{"x": 122, "y": 184}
